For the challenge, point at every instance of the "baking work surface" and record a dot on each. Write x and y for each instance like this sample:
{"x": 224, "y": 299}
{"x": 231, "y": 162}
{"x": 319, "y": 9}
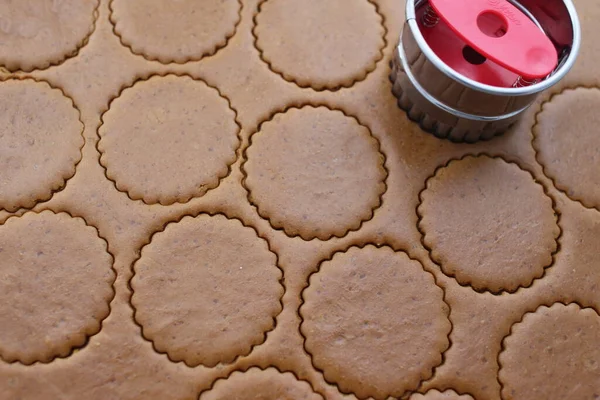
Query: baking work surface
{"x": 220, "y": 199}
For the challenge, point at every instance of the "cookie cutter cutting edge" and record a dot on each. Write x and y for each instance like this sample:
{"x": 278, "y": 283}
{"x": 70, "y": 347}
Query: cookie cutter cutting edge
{"x": 491, "y": 109}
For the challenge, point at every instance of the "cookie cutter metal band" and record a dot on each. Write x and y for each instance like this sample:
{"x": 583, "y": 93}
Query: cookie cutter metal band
{"x": 528, "y": 13}
{"x": 451, "y": 110}
{"x": 564, "y": 67}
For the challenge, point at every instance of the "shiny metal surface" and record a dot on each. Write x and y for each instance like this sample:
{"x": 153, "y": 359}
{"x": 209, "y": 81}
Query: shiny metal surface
{"x": 465, "y": 109}
{"x": 443, "y": 105}
{"x": 526, "y": 12}
{"x": 565, "y": 65}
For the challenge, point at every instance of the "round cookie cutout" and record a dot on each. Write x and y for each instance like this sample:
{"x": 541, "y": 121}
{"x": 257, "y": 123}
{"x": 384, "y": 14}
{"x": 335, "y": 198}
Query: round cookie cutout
{"x": 260, "y": 384}
{"x": 181, "y": 31}
{"x": 206, "y": 290}
{"x": 40, "y": 142}
{"x": 568, "y": 146}
{"x": 168, "y": 139}
{"x": 374, "y": 322}
{"x": 488, "y": 224}
{"x": 552, "y": 354}
{"x": 437, "y": 395}
{"x": 314, "y": 172}
{"x": 56, "y": 281}
{"x": 36, "y": 34}
{"x": 323, "y": 44}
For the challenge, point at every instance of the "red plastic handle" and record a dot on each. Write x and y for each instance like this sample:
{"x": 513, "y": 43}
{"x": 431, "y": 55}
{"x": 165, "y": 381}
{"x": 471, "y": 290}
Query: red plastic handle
{"x": 500, "y": 32}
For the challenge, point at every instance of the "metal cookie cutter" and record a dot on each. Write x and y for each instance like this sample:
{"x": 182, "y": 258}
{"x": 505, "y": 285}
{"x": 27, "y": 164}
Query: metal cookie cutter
{"x": 466, "y": 70}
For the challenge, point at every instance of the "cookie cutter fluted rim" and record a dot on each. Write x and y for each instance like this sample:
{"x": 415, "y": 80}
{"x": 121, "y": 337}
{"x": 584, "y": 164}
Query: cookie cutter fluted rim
{"x": 553, "y": 79}
{"x": 451, "y": 110}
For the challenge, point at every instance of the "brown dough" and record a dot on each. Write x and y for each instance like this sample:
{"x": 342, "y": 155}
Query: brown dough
{"x": 256, "y": 384}
{"x": 375, "y": 322}
{"x": 553, "y": 354}
{"x": 323, "y": 44}
{"x": 40, "y": 142}
{"x": 310, "y": 148}
{"x": 568, "y": 144}
{"x": 437, "y": 395}
{"x": 315, "y": 172}
{"x": 55, "y": 286}
{"x": 488, "y": 224}
{"x": 40, "y": 33}
{"x": 206, "y": 290}
{"x": 168, "y": 139}
{"x": 180, "y": 30}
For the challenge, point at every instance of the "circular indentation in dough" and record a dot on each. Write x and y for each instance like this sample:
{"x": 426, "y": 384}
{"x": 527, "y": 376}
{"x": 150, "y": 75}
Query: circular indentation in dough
{"x": 261, "y": 384}
{"x": 437, "y": 395}
{"x": 168, "y": 139}
{"x": 55, "y": 286}
{"x": 552, "y": 354}
{"x": 488, "y": 224}
{"x": 315, "y": 172}
{"x": 323, "y": 44}
{"x": 36, "y": 34}
{"x": 568, "y": 145}
{"x": 374, "y": 322}
{"x": 40, "y": 142}
{"x": 181, "y": 31}
{"x": 206, "y": 290}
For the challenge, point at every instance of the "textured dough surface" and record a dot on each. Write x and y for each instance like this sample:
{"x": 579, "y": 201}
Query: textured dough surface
{"x": 322, "y": 44}
{"x": 40, "y": 142}
{"x": 40, "y": 33}
{"x": 185, "y": 139}
{"x": 552, "y": 354}
{"x": 261, "y": 385}
{"x": 168, "y": 139}
{"x": 374, "y": 322}
{"x": 572, "y": 164}
{"x": 332, "y": 177}
{"x": 55, "y": 286}
{"x": 488, "y": 223}
{"x": 181, "y": 30}
{"x": 437, "y": 395}
{"x": 188, "y": 285}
